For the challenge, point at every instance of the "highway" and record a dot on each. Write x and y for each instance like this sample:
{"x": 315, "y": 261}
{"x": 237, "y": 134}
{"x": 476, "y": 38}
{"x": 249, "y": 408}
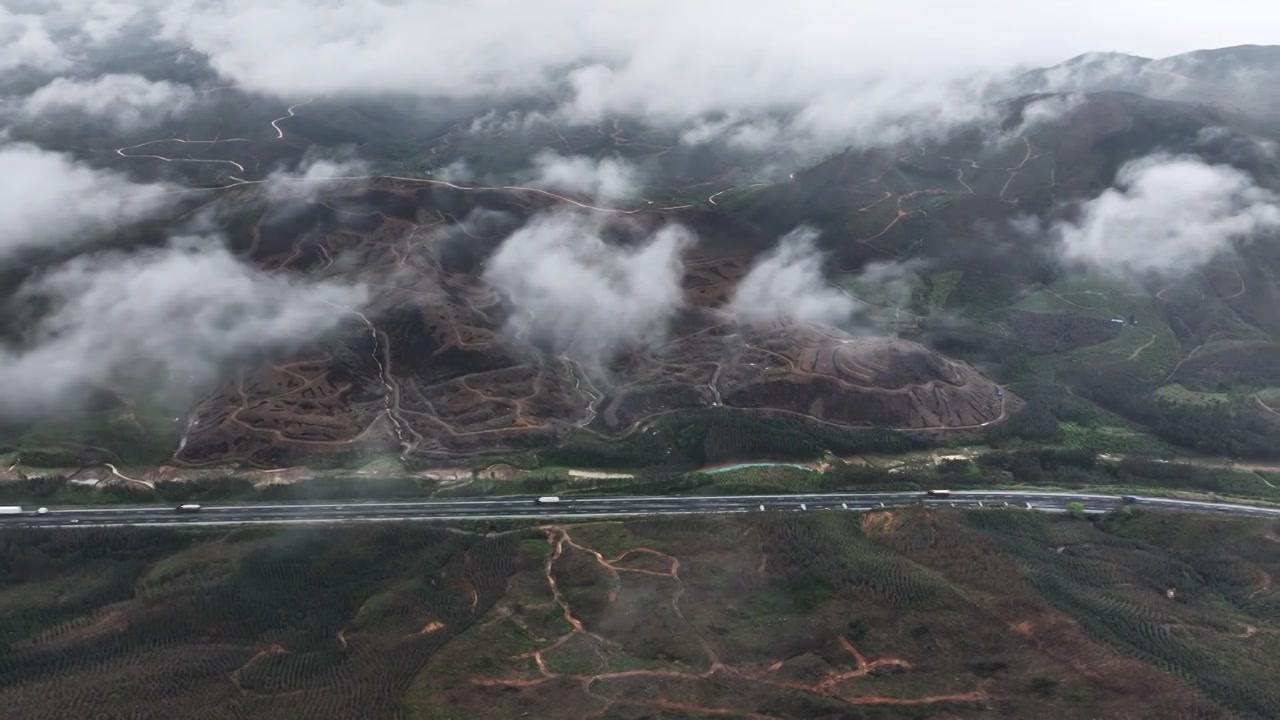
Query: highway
{"x": 583, "y": 507}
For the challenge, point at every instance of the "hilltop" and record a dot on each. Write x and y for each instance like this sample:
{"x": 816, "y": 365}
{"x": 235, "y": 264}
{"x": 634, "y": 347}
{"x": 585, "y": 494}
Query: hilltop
{"x": 945, "y": 247}
{"x": 431, "y": 377}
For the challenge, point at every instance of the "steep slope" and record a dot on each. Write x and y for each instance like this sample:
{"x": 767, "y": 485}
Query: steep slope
{"x": 1240, "y": 78}
{"x": 426, "y": 371}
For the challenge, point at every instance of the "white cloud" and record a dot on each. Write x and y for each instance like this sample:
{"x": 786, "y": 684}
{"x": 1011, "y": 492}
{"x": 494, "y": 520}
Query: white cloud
{"x": 703, "y": 131}
{"x": 456, "y": 171}
{"x": 1091, "y": 70}
{"x": 742, "y": 133}
{"x": 842, "y": 72}
{"x": 495, "y": 123}
{"x": 128, "y": 101}
{"x": 787, "y": 285}
{"x": 161, "y": 321}
{"x": 1167, "y": 215}
{"x": 1234, "y": 147}
{"x": 607, "y": 180}
{"x": 312, "y": 173}
{"x": 52, "y": 35}
{"x": 25, "y": 43}
{"x": 575, "y": 294}
{"x": 1047, "y": 110}
{"x": 845, "y": 67}
{"x": 101, "y": 21}
{"x": 49, "y": 200}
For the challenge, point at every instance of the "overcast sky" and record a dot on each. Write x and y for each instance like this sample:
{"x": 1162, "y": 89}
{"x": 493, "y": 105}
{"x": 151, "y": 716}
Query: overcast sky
{"x": 660, "y": 50}
{"x": 447, "y": 42}
{"x": 855, "y": 72}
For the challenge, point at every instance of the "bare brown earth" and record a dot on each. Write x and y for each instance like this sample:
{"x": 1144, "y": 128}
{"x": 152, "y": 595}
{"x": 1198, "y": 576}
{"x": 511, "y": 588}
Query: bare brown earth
{"x": 425, "y": 370}
{"x": 901, "y": 615}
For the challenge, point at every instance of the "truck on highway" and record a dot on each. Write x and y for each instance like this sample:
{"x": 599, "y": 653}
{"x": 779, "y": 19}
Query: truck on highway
{"x": 548, "y": 499}
{"x": 188, "y": 508}
{"x": 938, "y": 493}
{"x": 10, "y": 510}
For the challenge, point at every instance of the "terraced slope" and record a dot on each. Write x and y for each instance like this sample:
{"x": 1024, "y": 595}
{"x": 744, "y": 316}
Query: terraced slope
{"x": 426, "y": 370}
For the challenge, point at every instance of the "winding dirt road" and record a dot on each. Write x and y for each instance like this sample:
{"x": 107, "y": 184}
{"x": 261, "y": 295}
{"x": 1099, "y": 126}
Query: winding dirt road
{"x": 162, "y": 158}
{"x": 831, "y": 685}
{"x": 276, "y": 123}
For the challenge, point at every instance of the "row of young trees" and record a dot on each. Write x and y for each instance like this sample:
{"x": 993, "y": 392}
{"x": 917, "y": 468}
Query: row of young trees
{"x": 342, "y": 607}
{"x": 701, "y": 441}
{"x": 1225, "y": 428}
{"x": 1232, "y": 428}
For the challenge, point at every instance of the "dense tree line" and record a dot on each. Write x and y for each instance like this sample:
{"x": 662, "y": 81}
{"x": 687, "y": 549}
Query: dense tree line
{"x": 1047, "y": 406}
{"x": 194, "y": 619}
{"x": 30, "y": 555}
{"x": 1226, "y": 428}
{"x": 700, "y": 441}
{"x": 858, "y": 477}
{"x": 1077, "y": 468}
{"x": 1035, "y": 421}
{"x": 749, "y": 438}
{"x": 333, "y": 488}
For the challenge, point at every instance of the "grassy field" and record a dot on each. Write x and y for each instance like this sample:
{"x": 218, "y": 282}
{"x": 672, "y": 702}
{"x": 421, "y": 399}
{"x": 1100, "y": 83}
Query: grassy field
{"x": 942, "y": 284}
{"x": 1150, "y": 342}
{"x": 1120, "y": 440}
{"x": 1176, "y": 393}
{"x": 977, "y": 296}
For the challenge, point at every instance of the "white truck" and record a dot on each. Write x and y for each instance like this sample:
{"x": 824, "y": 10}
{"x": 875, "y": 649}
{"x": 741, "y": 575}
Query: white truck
{"x": 938, "y": 493}
{"x": 188, "y": 508}
{"x": 10, "y": 510}
{"x": 548, "y": 499}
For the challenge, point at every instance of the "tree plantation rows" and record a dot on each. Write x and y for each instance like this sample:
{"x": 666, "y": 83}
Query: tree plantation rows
{"x": 325, "y": 623}
{"x": 696, "y": 441}
{"x": 1233, "y": 428}
{"x": 346, "y": 623}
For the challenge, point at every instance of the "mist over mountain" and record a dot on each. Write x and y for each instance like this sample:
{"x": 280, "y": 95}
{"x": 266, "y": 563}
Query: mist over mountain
{"x": 1239, "y": 78}
{"x": 569, "y": 190}
{"x": 841, "y": 273}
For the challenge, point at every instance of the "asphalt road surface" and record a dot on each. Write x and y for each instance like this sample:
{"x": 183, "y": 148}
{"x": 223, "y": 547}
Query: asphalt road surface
{"x": 526, "y": 508}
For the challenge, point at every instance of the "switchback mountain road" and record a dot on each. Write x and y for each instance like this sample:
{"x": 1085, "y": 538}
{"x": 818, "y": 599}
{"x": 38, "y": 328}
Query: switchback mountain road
{"x": 339, "y": 512}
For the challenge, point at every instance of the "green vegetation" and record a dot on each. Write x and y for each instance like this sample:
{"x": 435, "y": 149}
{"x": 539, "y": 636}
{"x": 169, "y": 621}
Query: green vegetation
{"x": 1233, "y": 428}
{"x": 58, "y": 490}
{"x": 941, "y": 285}
{"x": 1176, "y": 393}
{"x": 977, "y": 295}
{"x": 1083, "y": 469}
{"x": 286, "y": 614}
{"x": 1056, "y": 416}
{"x": 1186, "y": 608}
{"x": 135, "y": 435}
{"x": 695, "y": 439}
{"x": 840, "y": 608}
{"x": 1149, "y": 344}
{"x": 1116, "y": 440}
